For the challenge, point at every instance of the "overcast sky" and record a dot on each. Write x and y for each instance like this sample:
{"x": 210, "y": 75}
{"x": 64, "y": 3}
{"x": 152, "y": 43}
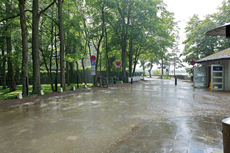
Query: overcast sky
{"x": 185, "y": 9}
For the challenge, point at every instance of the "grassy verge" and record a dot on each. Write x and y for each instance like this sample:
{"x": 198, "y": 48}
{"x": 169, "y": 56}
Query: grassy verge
{"x": 6, "y": 94}
{"x": 165, "y": 77}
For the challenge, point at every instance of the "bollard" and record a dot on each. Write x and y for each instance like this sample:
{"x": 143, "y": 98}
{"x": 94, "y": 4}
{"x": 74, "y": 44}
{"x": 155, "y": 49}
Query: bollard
{"x": 19, "y": 96}
{"x": 73, "y": 87}
{"x": 131, "y": 80}
{"x": 61, "y": 90}
{"x": 175, "y": 81}
{"x": 41, "y": 92}
{"x": 226, "y": 134}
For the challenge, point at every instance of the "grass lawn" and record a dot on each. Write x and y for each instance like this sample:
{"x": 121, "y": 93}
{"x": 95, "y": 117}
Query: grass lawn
{"x": 6, "y": 94}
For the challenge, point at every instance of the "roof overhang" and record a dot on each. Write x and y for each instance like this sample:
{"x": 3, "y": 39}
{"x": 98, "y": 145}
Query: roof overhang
{"x": 210, "y": 60}
{"x": 219, "y": 31}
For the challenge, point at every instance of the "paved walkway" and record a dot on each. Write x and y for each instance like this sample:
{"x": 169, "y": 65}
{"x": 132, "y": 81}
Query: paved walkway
{"x": 151, "y": 116}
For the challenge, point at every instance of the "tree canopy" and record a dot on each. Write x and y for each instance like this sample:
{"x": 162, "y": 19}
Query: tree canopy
{"x": 57, "y": 36}
{"x": 197, "y": 44}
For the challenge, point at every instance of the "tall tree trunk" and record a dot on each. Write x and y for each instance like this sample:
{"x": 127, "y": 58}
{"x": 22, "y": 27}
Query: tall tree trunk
{"x": 96, "y": 66}
{"x": 67, "y": 63}
{"x": 89, "y": 48}
{"x": 150, "y": 70}
{"x": 11, "y": 77}
{"x": 71, "y": 64}
{"x": 35, "y": 45}
{"x": 135, "y": 64}
{"x": 17, "y": 75}
{"x": 4, "y": 68}
{"x": 78, "y": 73}
{"x": 24, "y": 31}
{"x": 55, "y": 44}
{"x": 150, "y": 74}
{"x": 61, "y": 35}
{"x": 71, "y": 71}
{"x": 100, "y": 63}
{"x": 174, "y": 67}
{"x": 137, "y": 55}
{"x": 197, "y": 54}
{"x": 168, "y": 69}
{"x": 162, "y": 66}
{"x": 130, "y": 57}
{"x": 52, "y": 51}
{"x": 107, "y": 54}
{"x": 11, "y": 84}
{"x": 101, "y": 37}
{"x": 47, "y": 69}
{"x": 124, "y": 61}
{"x": 67, "y": 73}
{"x": 124, "y": 44}
{"x": 1, "y": 62}
{"x": 143, "y": 68}
{"x": 35, "y": 49}
{"x": 83, "y": 66}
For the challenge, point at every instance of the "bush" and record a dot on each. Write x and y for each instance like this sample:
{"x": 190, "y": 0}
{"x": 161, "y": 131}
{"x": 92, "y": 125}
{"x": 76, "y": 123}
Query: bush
{"x": 165, "y": 77}
{"x": 157, "y": 72}
{"x": 191, "y": 78}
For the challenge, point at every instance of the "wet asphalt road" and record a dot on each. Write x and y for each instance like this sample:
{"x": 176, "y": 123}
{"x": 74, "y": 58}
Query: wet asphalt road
{"x": 151, "y": 116}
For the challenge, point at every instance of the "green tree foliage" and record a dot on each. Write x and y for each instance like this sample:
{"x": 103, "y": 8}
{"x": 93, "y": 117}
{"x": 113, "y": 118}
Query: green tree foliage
{"x": 175, "y": 58}
{"x": 55, "y": 32}
{"x": 198, "y": 45}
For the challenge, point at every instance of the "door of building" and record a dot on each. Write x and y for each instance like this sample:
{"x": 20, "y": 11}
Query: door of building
{"x": 199, "y": 76}
{"x": 217, "y": 77}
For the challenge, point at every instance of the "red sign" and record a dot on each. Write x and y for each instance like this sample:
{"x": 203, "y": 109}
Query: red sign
{"x": 93, "y": 58}
{"x": 118, "y": 63}
{"x": 192, "y": 62}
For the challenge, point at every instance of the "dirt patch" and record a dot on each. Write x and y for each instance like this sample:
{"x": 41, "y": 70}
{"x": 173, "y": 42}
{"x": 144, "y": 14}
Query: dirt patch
{"x": 12, "y": 102}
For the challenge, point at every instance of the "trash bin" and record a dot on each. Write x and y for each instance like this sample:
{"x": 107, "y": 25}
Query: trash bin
{"x": 226, "y": 134}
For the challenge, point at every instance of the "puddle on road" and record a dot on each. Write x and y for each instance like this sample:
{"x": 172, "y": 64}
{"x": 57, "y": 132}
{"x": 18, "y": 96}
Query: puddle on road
{"x": 160, "y": 117}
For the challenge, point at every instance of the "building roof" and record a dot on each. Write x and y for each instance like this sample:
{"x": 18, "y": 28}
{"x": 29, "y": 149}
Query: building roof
{"x": 225, "y": 54}
{"x": 219, "y": 31}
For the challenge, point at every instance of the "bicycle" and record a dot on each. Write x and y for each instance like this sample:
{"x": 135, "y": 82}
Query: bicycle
{"x": 111, "y": 81}
{"x": 105, "y": 82}
{"x": 98, "y": 82}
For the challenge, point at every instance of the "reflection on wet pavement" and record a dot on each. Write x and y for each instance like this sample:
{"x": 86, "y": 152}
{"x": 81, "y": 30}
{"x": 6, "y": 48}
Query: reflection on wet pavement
{"x": 152, "y": 116}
